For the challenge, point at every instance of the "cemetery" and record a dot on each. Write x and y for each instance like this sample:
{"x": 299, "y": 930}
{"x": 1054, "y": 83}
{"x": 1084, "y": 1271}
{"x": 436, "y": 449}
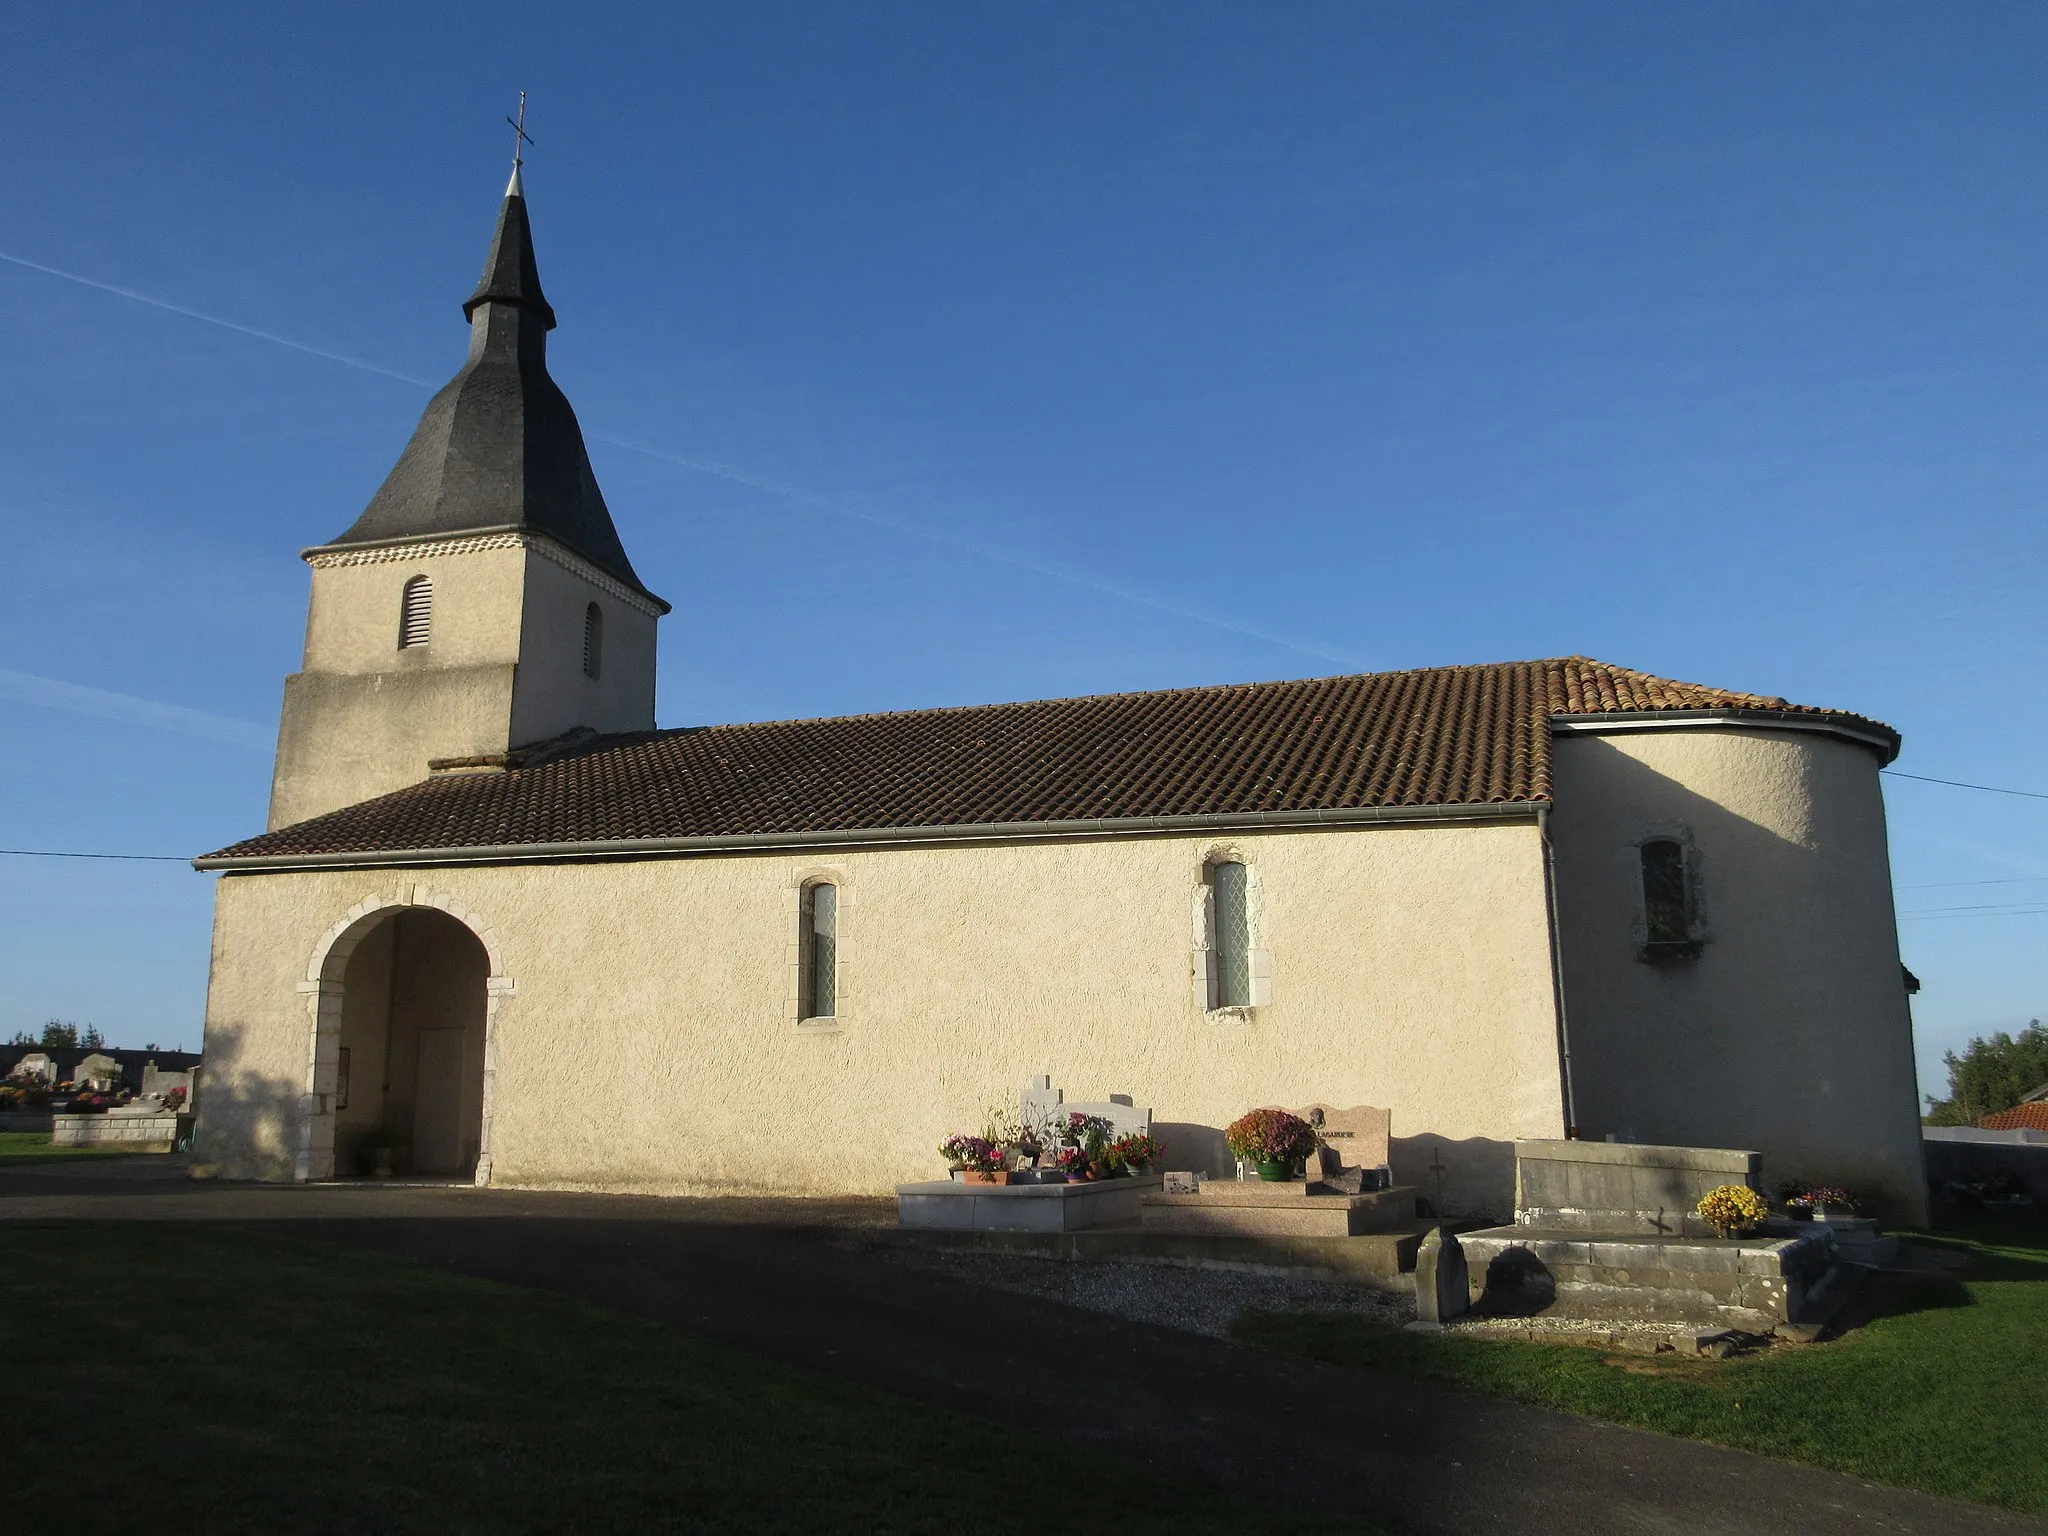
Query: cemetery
{"x": 99, "y": 1105}
{"x": 1608, "y": 1233}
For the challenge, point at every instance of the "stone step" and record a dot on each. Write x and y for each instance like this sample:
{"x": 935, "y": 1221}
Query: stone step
{"x": 1381, "y": 1259}
{"x": 1245, "y": 1209}
{"x": 1292, "y": 1192}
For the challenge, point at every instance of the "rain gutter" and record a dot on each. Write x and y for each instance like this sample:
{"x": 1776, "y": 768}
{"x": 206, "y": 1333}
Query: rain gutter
{"x": 878, "y": 837}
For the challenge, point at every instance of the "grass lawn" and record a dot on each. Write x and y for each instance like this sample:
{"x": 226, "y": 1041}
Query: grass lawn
{"x": 284, "y": 1385}
{"x": 34, "y": 1147}
{"x": 1942, "y": 1390}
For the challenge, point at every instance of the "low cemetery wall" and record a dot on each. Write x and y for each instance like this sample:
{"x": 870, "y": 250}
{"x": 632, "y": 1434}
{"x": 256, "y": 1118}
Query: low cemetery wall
{"x": 140, "y": 1133}
{"x": 1964, "y": 1156}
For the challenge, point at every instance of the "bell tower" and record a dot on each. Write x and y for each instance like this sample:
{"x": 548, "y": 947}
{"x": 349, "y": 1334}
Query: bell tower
{"x": 482, "y": 603}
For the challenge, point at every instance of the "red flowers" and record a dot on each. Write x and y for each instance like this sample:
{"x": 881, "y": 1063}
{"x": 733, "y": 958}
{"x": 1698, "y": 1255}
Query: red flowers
{"x": 1270, "y": 1136}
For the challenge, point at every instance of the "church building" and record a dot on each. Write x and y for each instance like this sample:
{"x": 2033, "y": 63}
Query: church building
{"x": 503, "y": 928}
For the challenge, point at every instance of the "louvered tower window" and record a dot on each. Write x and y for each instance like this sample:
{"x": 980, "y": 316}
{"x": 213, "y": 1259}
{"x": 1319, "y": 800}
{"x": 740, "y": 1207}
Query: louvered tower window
{"x": 1229, "y": 888}
{"x": 818, "y": 953}
{"x": 593, "y": 640}
{"x": 415, "y": 612}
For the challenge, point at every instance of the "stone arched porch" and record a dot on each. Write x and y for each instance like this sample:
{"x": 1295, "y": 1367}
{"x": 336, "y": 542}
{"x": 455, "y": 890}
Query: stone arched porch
{"x": 325, "y": 992}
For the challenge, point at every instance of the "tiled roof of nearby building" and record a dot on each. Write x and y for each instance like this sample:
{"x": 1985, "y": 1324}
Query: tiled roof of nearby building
{"x": 2026, "y": 1117}
{"x": 1444, "y": 736}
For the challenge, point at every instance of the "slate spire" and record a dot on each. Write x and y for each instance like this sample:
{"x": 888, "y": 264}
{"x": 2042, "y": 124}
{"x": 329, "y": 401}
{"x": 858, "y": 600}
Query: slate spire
{"x": 499, "y": 447}
{"x": 511, "y": 276}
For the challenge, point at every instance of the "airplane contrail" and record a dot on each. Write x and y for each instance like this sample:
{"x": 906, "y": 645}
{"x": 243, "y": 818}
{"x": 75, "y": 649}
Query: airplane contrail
{"x": 74, "y": 698}
{"x": 976, "y": 547}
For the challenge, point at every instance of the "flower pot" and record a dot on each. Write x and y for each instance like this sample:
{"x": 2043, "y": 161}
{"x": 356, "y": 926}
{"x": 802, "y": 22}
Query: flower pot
{"x": 970, "y": 1176}
{"x": 1275, "y": 1170}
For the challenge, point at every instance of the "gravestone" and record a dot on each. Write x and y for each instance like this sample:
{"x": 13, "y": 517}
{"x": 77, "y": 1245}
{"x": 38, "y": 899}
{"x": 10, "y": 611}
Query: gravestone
{"x": 99, "y": 1070}
{"x": 1352, "y": 1145}
{"x": 1040, "y": 1105}
{"x": 36, "y": 1064}
{"x": 1442, "y": 1283}
{"x": 155, "y": 1080}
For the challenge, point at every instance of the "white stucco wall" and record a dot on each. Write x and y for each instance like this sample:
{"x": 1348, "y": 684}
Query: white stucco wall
{"x": 645, "y": 1034}
{"x": 503, "y": 667}
{"x": 1789, "y": 1035}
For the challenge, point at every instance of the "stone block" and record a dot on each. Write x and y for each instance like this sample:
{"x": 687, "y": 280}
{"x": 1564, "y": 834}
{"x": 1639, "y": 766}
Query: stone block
{"x": 1743, "y": 1283}
{"x": 941, "y": 1204}
{"x": 1615, "y": 1188}
{"x": 1442, "y": 1287}
{"x": 1257, "y": 1209}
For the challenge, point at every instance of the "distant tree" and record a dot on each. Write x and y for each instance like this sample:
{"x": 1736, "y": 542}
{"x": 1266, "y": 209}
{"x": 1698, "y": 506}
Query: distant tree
{"x": 1993, "y": 1073}
{"x": 59, "y": 1037}
{"x": 92, "y": 1039}
{"x": 22, "y": 1037}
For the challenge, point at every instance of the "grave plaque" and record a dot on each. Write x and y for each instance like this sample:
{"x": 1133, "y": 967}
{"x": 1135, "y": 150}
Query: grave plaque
{"x": 1182, "y": 1184}
{"x": 1349, "y": 1140}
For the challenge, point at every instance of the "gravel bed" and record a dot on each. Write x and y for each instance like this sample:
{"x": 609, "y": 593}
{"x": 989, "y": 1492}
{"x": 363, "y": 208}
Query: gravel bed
{"x": 1193, "y": 1299}
{"x": 1519, "y": 1326}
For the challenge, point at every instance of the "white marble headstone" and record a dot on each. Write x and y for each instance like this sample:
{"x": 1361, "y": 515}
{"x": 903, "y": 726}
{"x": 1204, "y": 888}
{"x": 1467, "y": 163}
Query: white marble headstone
{"x": 1040, "y": 1104}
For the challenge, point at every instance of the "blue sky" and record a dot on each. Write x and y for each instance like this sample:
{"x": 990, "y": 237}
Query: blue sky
{"x": 938, "y": 353}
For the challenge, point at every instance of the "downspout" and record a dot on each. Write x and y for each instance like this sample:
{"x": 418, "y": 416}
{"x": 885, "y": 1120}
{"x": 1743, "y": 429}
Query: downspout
{"x": 1564, "y": 1034}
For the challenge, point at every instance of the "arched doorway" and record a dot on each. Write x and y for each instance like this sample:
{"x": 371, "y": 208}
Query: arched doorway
{"x": 409, "y": 1048}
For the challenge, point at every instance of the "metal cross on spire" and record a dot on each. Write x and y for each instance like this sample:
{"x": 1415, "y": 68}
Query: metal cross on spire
{"x": 520, "y": 139}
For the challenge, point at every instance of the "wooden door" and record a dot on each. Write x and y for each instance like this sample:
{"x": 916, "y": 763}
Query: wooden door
{"x": 437, "y": 1103}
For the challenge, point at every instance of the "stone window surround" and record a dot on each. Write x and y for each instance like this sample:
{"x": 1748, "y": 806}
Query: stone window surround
{"x": 1203, "y": 966}
{"x": 793, "y": 961}
{"x": 1697, "y": 930}
{"x": 324, "y": 991}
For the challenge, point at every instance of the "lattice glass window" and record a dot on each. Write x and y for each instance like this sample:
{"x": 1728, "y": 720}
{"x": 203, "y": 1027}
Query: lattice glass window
{"x": 1230, "y": 888}
{"x": 818, "y": 962}
{"x": 415, "y": 612}
{"x": 1667, "y": 912}
{"x": 593, "y": 640}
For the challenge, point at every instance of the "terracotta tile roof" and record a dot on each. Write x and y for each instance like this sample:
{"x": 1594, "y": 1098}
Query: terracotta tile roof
{"x": 2027, "y": 1117}
{"x": 1445, "y": 736}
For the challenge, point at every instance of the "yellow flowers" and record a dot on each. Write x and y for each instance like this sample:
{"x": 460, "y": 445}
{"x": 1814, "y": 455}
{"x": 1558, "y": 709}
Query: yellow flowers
{"x": 1732, "y": 1208}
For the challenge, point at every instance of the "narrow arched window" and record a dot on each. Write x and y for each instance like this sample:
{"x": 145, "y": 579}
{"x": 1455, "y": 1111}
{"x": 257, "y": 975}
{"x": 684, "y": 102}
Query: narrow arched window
{"x": 593, "y": 640}
{"x": 1667, "y": 908}
{"x": 415, "y": 612}
{"x": 818, "y": 953}
{"x": 1231, "y": 938}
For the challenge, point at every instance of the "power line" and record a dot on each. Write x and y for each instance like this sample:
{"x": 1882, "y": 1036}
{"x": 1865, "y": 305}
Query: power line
{"x": 1989, "y": 789}
{"x": 51, "y": 853}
